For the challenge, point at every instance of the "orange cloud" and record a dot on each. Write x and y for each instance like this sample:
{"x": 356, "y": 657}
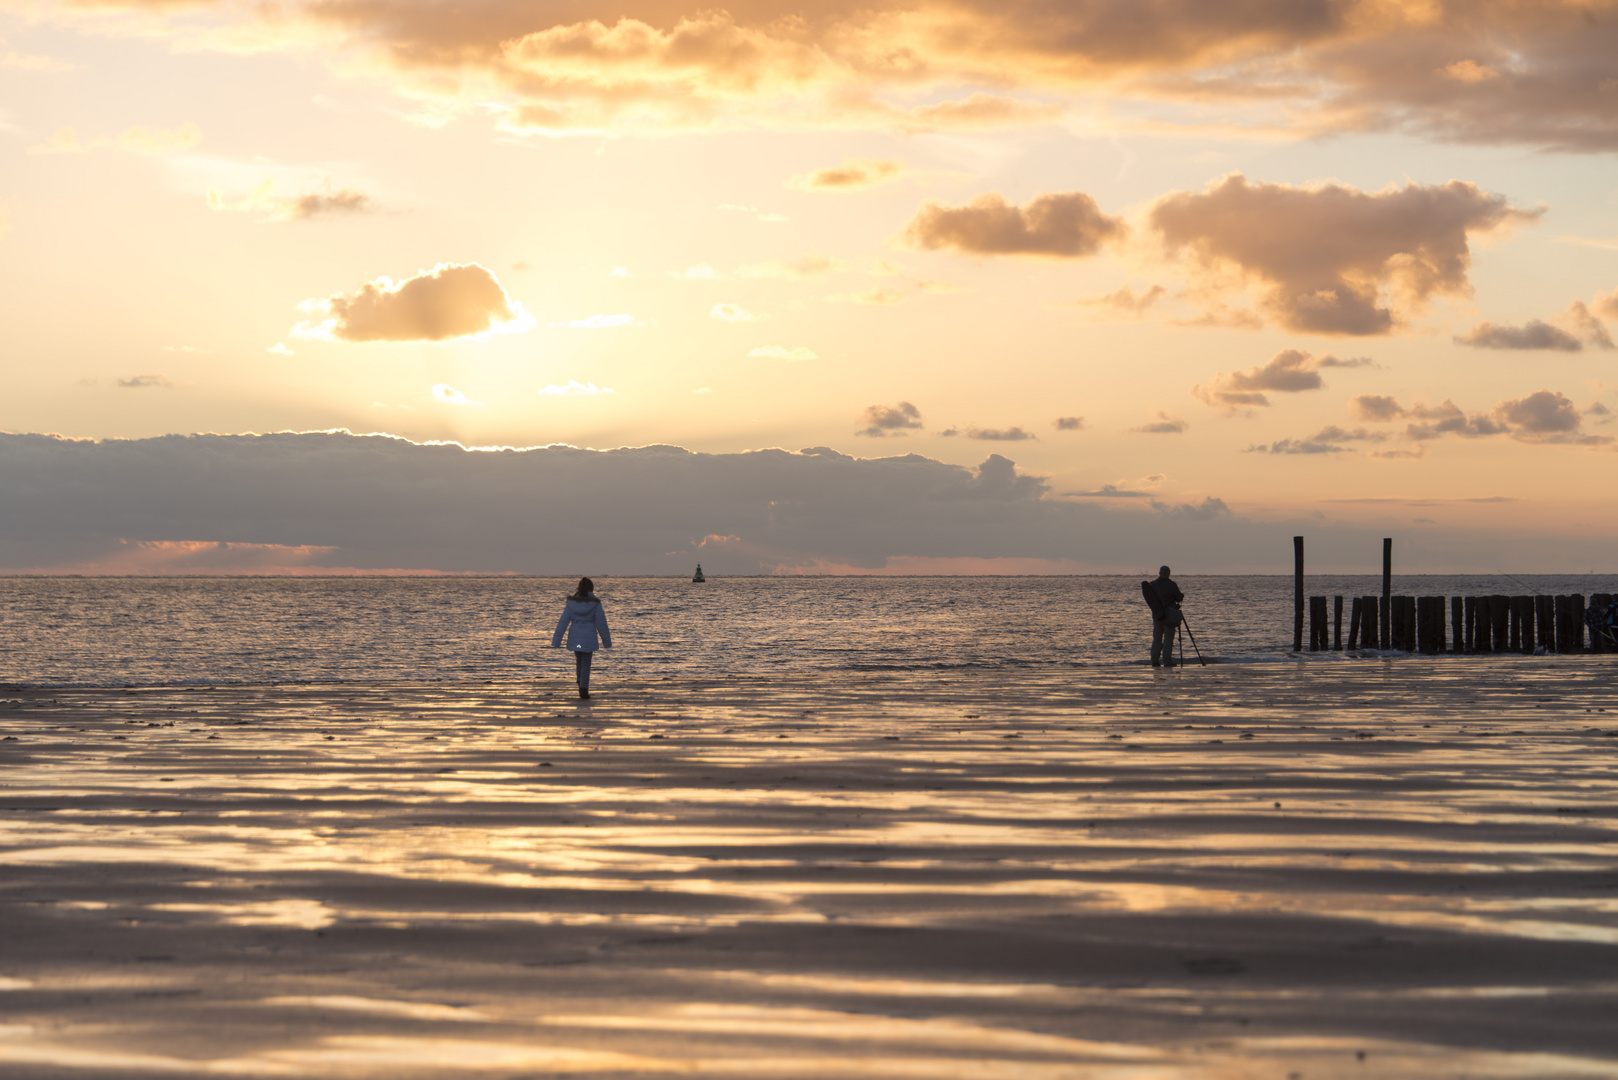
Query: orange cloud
{"x": 1492, "y": 71}
{"x": 1334, "y": 259}
{"x": 1067, "y": 225}
{"x": 850, "y": 176}
{"x": 449, "y": 301}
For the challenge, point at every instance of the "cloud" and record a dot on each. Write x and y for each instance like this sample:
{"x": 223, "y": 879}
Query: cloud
{"x": 1606, "y": 305}
{"x": 1333, "y": 259}
{"x": 1068, "y": 423}
{"x": 1546, "y": 416}
{"x": 1297, "y": 446}
{"x": 809, "y": 266}
{"x": 1011, "y": 434}
{"x": 733, "y": 313}
{"x": 1485, "y": 71}
{"x": 451, "y": 396}
{"x": 881, "y": 420}
{"x": 338, "y": 203}
{"x": 1163, "y": 425}
{"x": 449, "y": 301}
{"x": 280, "y": 349}
{"x": 575, "y": 388}
{"x": 1290, "y": 371}
{"x": 349, "y": 501}
{"x": 781, "y": 352}
{"x": 1535, "y": 335}
{"x": 976, "y": 112}
{"x": 1123, "y": 301}
{"x": 1578, "y": 327}
{"x": 1067, "y": 225}
{"x": 140, "y": 139}
{"x": 850, "y": 176}
{"x": 599, "y": 322}
{"x": 1109, "y": 491}
{"x": 1205, "y": 510}
{"x": 697, "y": 272}
{"x": 144, "y": 382}
{"x": 1328, "y": 440}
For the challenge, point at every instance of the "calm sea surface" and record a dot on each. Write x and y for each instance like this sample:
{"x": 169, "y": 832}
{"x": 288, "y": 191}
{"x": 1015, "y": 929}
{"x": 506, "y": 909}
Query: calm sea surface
{"x": 168, "y": 631}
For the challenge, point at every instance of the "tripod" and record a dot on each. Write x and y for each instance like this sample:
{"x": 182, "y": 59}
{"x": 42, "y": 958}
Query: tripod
{"x": 1186, "y": 626}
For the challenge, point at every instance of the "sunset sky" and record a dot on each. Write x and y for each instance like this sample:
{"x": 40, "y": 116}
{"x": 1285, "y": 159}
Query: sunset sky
{"x": 1216, "y": 269}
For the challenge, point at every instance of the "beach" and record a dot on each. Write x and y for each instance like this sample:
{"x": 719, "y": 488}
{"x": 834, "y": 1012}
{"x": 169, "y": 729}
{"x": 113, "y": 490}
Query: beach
{"x": 1376, "y": 866}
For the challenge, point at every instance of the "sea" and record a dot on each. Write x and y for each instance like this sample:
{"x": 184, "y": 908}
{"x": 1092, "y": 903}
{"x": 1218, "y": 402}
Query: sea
{"x": 182, "y": 631}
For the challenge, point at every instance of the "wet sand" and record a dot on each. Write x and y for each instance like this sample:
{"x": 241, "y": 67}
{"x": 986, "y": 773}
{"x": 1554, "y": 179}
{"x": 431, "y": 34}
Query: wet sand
{"x": 1348, "y": 868}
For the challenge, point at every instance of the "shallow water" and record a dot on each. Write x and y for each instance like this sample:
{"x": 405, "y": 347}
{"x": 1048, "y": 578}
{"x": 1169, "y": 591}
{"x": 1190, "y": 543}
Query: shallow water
{"x": 193, "y": 631}
{"x": 1371, "y": 868}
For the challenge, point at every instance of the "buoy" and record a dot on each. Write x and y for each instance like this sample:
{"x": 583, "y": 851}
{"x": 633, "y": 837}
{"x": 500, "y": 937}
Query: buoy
{"x": 698, "y": 575}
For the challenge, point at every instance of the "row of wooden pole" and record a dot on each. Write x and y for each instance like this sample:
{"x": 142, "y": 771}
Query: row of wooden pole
{"x": 1477, "y": 624}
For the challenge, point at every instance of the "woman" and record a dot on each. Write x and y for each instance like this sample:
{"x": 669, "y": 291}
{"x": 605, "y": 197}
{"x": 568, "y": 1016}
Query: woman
{"x": 583, "y": 620}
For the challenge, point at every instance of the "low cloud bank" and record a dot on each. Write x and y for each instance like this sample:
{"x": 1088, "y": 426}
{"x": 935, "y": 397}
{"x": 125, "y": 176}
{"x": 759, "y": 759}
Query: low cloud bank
{"x": 377, "y": 502}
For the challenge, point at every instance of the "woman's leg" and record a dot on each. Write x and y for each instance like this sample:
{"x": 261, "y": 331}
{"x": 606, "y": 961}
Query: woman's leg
{"x": 581, "y": 665}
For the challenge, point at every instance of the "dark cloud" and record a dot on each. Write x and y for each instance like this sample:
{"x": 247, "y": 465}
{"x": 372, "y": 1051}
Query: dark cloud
{"x": 377, "y": 502}
{"x": 1068, "y": 423}
{"x": 1290, "y": 371}
{"x": 1011, "y": 434}
{"x": 451, "y": 300}
{"x": 1328, "y": 440}
{"x": 881, "y": 420}
{"x": 1545, "y": 416}
{"x": 1333, "y": 259}
{"x": 1067, "y": 225}
{"x": 1297, "y": 446}
{"x": 345, "y": 201}
{"x": 1535, "y": 335}
{"x": 1163, "y": 425}
{"x": 1205, "y": 510}
{"x": 146, "y": 382}
{"x": 1109, "y": 491}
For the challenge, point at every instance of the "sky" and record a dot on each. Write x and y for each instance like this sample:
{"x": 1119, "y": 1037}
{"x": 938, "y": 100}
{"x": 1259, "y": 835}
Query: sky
{"x": 961, "y": 287}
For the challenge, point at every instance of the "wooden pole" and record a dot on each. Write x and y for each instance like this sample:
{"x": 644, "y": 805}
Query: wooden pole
{"x": 1356, "y": 612}
{"x": 1387, "y": 591}
{"x": 1457, "y": 623}
{"x": 1297, "y": 594}
{"x": 1337, "y": 624}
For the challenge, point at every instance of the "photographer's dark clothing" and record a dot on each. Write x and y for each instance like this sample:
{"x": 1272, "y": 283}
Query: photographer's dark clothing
{"x": 1163, "y": 623}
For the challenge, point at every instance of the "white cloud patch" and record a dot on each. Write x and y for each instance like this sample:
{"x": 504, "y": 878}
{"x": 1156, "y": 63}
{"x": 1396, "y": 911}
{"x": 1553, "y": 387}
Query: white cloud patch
{"x": 781, "y": 352}
{"x": 451, "y": 396}
{"x": 574, "y": 388}
{"x": 147, "y": 382}
{"x": 140, "y": 139}
{"x": 280, "y": 349}
{"x": 733, "y": 313}
{"x": 452, "y": 300}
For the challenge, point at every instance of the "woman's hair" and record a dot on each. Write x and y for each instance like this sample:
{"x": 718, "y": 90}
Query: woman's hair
{"x": 586, "y": 587}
